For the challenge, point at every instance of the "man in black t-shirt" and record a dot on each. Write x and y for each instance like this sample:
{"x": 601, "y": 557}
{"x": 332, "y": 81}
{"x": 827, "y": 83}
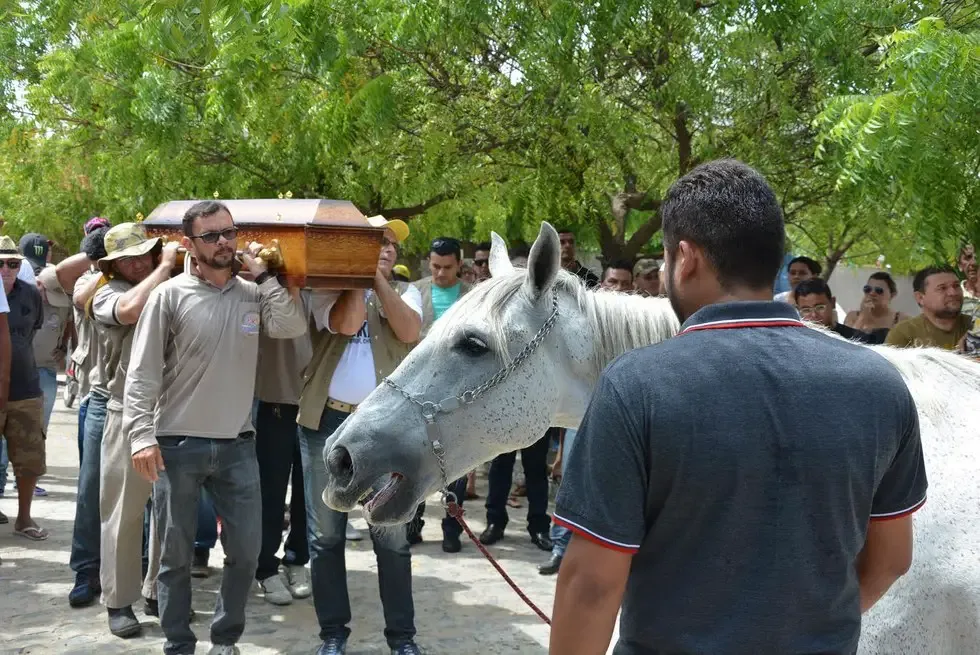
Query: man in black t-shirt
{"x": 746, "y": 486}
{"x": 22, "y": 421}
{"x": 569, "y": 262}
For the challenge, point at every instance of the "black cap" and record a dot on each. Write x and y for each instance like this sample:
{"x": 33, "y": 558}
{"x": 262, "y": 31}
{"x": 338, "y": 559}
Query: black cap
{"x": 35, "y": 248}
{"x": 446, "y": 246}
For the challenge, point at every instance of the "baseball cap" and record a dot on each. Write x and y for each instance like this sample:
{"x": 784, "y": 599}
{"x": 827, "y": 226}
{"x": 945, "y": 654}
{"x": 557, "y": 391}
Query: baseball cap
{"x": 35, "y": 249}
{"x": 401, "y": 269}
{"x": 399, "y": 227}
{"x": 95, "y": 223}
{"x": 645, "y": 266}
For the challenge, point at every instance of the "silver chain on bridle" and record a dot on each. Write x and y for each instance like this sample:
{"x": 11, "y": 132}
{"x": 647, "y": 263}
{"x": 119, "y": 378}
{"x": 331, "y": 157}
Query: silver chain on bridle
{"x": 431, "y": 410}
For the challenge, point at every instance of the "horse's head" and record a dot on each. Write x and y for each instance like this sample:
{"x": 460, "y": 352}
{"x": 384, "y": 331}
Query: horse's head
{"x": 509, "y": 392}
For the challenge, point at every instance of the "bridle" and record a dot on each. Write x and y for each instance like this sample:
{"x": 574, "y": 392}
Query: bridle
{"x": 432, "y": 410}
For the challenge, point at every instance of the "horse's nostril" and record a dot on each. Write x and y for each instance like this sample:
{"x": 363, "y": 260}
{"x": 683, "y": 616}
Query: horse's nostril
{"x": 340, "y": 466}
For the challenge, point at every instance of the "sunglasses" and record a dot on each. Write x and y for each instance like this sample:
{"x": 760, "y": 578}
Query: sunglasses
{"x": 212, "y": 237}
{"x": 876, "y": 290}
{"x": 481, "y": 262}
{"x": 12, "y": 263}
{"x": 816, "y": 309}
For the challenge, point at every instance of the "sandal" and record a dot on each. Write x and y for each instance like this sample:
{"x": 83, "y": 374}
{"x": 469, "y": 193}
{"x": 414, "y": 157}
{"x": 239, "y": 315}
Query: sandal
{"x": 32, "y": 532}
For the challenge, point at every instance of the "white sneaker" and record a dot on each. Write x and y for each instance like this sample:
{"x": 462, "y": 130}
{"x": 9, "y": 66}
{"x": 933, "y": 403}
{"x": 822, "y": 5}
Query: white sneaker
{"x": 274, "y": 591}
{"x": 353, "y": 534}
{"x": 298, "y": 581}
{"x": 224, "y": 650}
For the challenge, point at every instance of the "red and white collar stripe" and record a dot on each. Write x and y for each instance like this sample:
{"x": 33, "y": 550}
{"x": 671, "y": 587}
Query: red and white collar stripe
{"x": 733, "y": 323}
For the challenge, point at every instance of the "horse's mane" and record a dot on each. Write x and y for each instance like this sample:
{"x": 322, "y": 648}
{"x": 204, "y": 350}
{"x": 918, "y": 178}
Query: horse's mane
{"x": 618, "y": 322}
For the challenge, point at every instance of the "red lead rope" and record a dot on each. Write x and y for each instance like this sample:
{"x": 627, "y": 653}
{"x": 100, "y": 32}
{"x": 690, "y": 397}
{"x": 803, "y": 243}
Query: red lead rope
{"x": 455, "y": 511}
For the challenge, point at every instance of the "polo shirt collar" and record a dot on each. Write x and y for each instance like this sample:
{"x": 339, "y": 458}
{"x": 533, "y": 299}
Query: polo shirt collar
{"x": 743, "y": 314}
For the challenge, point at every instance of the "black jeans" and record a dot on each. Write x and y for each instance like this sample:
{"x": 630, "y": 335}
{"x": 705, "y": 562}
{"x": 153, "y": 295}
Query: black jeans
{"x": 535, "y": 461}
{"x": 277, "y": 449}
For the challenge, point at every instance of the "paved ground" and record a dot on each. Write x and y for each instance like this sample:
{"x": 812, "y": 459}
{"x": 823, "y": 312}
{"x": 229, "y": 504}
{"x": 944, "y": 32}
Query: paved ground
{"x": 462, "y": 605}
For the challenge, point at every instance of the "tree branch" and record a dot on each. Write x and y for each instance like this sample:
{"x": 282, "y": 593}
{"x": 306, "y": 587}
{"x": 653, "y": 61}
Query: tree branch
{"x": 415, "y": 210}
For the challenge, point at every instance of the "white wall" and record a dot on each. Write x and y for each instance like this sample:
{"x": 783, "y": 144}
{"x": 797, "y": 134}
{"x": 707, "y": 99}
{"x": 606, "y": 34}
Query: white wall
{"x": 847, "y": 283}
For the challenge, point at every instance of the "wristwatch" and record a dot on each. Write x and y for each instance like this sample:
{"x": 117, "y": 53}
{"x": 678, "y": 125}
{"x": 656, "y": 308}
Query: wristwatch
{"x": 262, "y": 277}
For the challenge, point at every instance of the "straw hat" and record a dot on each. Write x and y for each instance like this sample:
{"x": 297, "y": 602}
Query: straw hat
{"x": 8, "y": 249}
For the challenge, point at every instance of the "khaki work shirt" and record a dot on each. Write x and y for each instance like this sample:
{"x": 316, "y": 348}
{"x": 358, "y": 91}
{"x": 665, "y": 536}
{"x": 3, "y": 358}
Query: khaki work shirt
{"x": 117, "y": 341}
{"x": 192, "y": 370}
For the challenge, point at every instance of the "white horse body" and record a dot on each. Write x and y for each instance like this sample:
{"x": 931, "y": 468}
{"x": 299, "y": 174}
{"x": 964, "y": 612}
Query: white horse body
{"x": 932, "y": 609}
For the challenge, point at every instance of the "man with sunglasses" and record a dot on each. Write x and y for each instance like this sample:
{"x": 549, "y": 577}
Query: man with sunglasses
{"x": 189, "y": 393}
{"x": 361, "y": 337}
{"x": 439, "y": 292}
{"x": 481, "y": 261}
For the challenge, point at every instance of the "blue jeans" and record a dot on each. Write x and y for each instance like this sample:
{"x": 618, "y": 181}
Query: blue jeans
{"x": 207, "y": 524}
{"x": 227, "y": 469}
{"x": 327, "y": 535}
{"x": 82, "y": 410}
{"x": 86, "y": 535}
{"x": 49, "y": 389}
{"x": 560, "y": 535}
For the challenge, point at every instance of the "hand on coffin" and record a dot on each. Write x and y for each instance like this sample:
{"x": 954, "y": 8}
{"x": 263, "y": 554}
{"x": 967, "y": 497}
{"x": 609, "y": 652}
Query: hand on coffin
{"x": 256, "y": 264}
{"x": 168, "y": 256}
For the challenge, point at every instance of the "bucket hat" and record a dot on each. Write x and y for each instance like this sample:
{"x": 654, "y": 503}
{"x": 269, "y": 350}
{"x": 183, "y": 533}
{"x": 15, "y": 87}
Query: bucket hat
{"x": 127, "y": 240}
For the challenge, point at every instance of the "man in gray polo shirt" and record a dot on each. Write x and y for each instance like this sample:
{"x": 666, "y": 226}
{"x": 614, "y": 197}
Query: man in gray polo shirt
{"x": 747, "y": 486}
{"x": 189, "y": 393}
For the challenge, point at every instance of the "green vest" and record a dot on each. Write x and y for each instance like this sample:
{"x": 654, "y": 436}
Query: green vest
{"x": 328, "y": 348}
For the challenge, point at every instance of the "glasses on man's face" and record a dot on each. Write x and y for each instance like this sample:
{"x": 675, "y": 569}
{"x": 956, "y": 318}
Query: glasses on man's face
{"x": 12, "y": 264}
{"x": 212, "y": 237}
{"x": 480, "y": 262}
{"x": 878, "y": 291}
{"x": 386, "y": 243}
{"x": 816, "y": 309}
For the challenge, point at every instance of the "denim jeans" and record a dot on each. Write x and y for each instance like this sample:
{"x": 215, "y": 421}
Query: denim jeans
{"x": 207, "y": 524}
{"x": 227, "y": 469}
{"x": 86, "y": 534}
{"x": 82, "y": 411}
{"x": 560, "y": 535}
{"x": 534, "y": 458}
{"x": 277, "y": 449}
{"x": 49, "y": 389}
{"x": 327, "y": 535}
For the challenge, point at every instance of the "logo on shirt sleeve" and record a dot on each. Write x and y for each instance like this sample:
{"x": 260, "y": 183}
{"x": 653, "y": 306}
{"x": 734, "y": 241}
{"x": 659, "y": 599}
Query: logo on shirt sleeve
{"x": 250, "y": 323}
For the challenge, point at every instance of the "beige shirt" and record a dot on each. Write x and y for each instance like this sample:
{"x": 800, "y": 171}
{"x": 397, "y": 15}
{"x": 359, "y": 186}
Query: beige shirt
{"x": 195, "y": 354}
{"x": 279, "y": 375}
{"x": 88, "y": 351}
{"x": 117, "y": 341}
{"x": 49, "y": 337}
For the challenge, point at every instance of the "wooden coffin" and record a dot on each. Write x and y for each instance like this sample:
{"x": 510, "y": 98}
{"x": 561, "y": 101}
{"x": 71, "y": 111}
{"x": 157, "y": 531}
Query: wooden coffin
{"x": 325, "y": 244}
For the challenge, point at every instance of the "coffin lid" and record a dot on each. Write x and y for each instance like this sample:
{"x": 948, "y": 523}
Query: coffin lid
{"x": 266, "y": 211}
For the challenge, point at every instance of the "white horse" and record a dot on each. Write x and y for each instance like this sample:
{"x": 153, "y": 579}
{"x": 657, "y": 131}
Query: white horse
{"x": 573, "y": 334}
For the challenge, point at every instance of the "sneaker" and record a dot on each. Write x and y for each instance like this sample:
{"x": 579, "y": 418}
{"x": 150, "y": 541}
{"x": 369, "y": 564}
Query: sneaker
{"x": 123, "y": 623}
{"x": 298, "y": 581}
{"x": 38, "y": 491}
{"x": 353, "y": 534}
{"x": 408, "y": 648}
{"x": 332, "y": 646}
{"x": 85, "y": 591}
{"x": 199, "y": 567}
{"x": 224, "y": 649}
{"x": 274, "y": 591}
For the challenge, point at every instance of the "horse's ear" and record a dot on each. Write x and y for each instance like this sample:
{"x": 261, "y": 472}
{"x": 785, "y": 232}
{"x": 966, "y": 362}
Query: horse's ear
{"x": 499, "y": 260}
{"x": 543, "y": 262}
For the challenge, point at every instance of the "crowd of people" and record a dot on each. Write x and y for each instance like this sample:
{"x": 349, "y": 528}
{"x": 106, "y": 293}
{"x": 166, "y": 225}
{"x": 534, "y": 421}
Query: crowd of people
{"x": 163, "y": 475}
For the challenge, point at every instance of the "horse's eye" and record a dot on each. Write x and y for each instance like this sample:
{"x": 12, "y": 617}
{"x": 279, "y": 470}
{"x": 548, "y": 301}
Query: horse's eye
{"x": 472, "y": 345}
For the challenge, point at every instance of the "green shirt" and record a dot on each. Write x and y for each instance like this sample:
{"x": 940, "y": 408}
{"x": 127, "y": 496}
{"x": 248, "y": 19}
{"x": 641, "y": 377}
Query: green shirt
{"x": 443, "y": 299}
{"x": 920, "y": 332}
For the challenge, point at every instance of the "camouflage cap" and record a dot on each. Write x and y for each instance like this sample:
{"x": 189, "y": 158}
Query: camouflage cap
{"x": 127, "y": 240}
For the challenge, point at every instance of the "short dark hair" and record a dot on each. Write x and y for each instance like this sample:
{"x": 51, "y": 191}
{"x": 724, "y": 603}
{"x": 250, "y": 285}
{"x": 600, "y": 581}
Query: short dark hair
{"x": 812, "y": 264}
{"x": 619, "y": 265}
{"x": 920, "y": 279}
{"x": 93, "y": 244}
{"x": 445, "y": 246}
{"x": 729, "y": 210}
{"x": 200, "y": 210}
{"x": 520, "y": 250}
{"x": 887, "y": 279}
{"x": 483, "y": 245}
{"x": 811, "y": 287}
{"x": 564, "y": 229}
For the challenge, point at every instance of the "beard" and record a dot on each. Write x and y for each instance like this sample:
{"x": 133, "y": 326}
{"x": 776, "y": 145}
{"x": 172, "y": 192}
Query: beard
{"x": 222, "y": 259}
{"x": 948, "y": 312}
{"x": 668, "y": 285}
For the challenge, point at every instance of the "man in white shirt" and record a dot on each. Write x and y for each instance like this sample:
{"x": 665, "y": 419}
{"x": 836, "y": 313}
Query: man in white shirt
{"x": 361, "y": 337}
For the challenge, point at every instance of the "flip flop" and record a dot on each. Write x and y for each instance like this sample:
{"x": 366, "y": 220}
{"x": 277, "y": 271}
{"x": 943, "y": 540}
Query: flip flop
{"x": 32, "y": 532}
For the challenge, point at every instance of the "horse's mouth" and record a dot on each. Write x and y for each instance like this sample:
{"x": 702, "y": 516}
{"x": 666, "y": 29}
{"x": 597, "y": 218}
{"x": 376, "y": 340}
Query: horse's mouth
{"x": 387, "y": 501}
{"x": 376, "y": 499}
